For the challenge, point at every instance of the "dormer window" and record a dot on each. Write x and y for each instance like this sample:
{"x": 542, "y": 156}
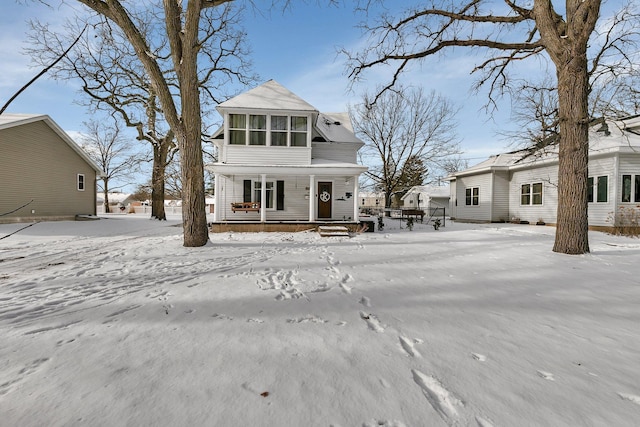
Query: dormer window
{"x": 271, "y": 130}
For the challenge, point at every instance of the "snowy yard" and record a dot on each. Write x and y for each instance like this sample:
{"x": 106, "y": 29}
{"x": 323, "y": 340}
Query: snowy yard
{"x": 114, "y": 322}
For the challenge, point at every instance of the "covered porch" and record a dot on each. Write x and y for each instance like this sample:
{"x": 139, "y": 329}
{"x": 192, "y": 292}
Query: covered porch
{"x": 272, "y": 198}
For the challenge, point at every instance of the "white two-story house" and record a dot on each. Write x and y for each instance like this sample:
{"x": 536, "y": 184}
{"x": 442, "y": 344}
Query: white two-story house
{"x": 282, "y": 161}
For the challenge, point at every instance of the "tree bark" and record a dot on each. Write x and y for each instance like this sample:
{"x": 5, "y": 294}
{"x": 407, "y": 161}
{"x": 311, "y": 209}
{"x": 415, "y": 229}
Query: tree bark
{"x": 572, "y": 235}
{"x": 160, "y": 153}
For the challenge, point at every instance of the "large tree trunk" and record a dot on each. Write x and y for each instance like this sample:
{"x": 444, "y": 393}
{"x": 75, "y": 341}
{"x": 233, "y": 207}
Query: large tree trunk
{"x": 160, "y": 152}
{"x": 194, "y": 215}
{"x": 572, "y": 219}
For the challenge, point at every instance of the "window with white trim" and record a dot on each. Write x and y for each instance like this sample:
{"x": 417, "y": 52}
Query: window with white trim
{"x": 80, "y": 182}
{"x": 257, "y": 193}
{"x": 276, "y": 130}
{"x": 531, "y": 194}
{"x": 472, "y": 196}
{"x": 257, "y": 129}
{"x": 598, "y": 189}
{"x": 630, "y": 187}
{"x": 237, "y": 129}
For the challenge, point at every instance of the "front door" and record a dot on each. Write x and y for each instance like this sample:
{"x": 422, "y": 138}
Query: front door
{"x": 324, "y": 200}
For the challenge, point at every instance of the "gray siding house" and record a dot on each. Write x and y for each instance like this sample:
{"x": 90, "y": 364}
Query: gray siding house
{"x": 280, "y": 160}
{"x": 511, "y": 186}
{"x": 44, "y": 174}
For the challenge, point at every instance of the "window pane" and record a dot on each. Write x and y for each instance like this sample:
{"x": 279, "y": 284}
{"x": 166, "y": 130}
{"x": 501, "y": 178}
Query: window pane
{"x": 537, "y": 194}
{"x": 257, "y": 138}
{"x": 525, "y": 194}
{"x": 636, "y": 194}
{"x": 298, "y": 139}
{"x": 257, "y": 122}
{"x": 590, "y": 189}
{"x": 298, "y": 123}
{"x": 626, "y": 188}
{"x": 468, "y": 196}
{"x": 278, "y": 122}
{"x": 257, "y": 194}
{"x": 603, "y": 188}
{"x": 279, "y": 139}
{"x": 237, "y": 121}
{"x": 237, "y": 137}
{"x": 476, "y": 198}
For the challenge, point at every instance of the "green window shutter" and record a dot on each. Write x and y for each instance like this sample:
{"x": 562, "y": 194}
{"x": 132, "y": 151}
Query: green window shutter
{"x": 280, "y": 195}
{"x": 247, "y": 191}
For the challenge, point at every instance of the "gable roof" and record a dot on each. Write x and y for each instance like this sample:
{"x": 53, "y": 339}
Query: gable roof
{"x": 614, "y": 136}
{"x": 12, "y": 120}
{"x": 268, "y": 96}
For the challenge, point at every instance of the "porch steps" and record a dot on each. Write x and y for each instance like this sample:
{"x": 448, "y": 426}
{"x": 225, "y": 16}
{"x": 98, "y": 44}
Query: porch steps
{"x": 333, "y": 230}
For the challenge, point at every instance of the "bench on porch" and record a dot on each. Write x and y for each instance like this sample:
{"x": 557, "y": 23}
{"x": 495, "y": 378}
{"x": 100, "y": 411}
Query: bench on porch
{"x": 412, "y": 213}
{"x": 245, "y": 206}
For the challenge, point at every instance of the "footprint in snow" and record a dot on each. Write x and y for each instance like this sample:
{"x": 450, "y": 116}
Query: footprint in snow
{"x": 445, "y": 404}
{"x": 365, "y": 301}
{"x": 479, "y": 357}
{"x": 383, "y": 423}
{"x": 630, "y": 397}
{"x": 408, "y": 346}
{"x": 546, "y": 375}
{"x": 372, "y": 322}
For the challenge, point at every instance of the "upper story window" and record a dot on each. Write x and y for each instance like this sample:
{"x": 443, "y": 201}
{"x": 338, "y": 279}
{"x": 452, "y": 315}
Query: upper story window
{"x": 279, "y": 131}
{"x": 80, "y": 182}
{"x": 237, "y": 129}
{"x": 257, "y": 129}
{"x": 273, "y": 130}
{"x": 298, "y": 131}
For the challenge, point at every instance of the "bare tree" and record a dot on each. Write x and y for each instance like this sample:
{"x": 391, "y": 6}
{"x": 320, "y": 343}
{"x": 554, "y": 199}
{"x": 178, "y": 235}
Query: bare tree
{"x": 112, "y": 152}
{"x": 510, "y": 32}
{"x": 184, "y": 26}
{"x": 114, "y": 79}
{"x": 403, "y": 125}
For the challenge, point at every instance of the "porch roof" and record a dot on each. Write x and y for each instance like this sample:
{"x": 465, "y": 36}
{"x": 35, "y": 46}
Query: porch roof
{"x": 320, "y": 167}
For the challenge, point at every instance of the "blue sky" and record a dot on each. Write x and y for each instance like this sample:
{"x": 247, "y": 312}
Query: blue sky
{"x": 297, "y": 47}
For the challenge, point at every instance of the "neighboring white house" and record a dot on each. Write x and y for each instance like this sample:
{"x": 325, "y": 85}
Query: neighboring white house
{"x": 281, "y": 160}
{"x": 507, "y": 186}
{"x": 371, "y": 202}
{"x": 429, "y": 198}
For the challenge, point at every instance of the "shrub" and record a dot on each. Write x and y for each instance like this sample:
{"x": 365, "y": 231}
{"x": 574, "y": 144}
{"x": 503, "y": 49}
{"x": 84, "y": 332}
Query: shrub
{"x": 626, "y": 221}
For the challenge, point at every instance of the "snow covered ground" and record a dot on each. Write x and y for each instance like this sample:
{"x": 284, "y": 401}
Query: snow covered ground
{"x": 114, "y": 322}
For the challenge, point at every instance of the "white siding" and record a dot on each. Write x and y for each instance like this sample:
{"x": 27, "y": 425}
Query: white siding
{"x": 265, "y": 155}
{"x": 629, "y": 164}
{"x": 500, "y": 210}
{"x": 339, "y": 152}
{"x": 296, "y": 199}
{"x": 481, "y": 212}
{"x": 599, "y": 212}
{"x": 548, "y": 176}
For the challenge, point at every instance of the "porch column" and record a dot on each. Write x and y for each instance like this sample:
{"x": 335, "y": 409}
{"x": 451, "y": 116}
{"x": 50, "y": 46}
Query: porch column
{"x": 312, "y": 197}
{"x": 216, "y": 197}
{"x": 263, "y": 198}
{"x": 356, "y": 210}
